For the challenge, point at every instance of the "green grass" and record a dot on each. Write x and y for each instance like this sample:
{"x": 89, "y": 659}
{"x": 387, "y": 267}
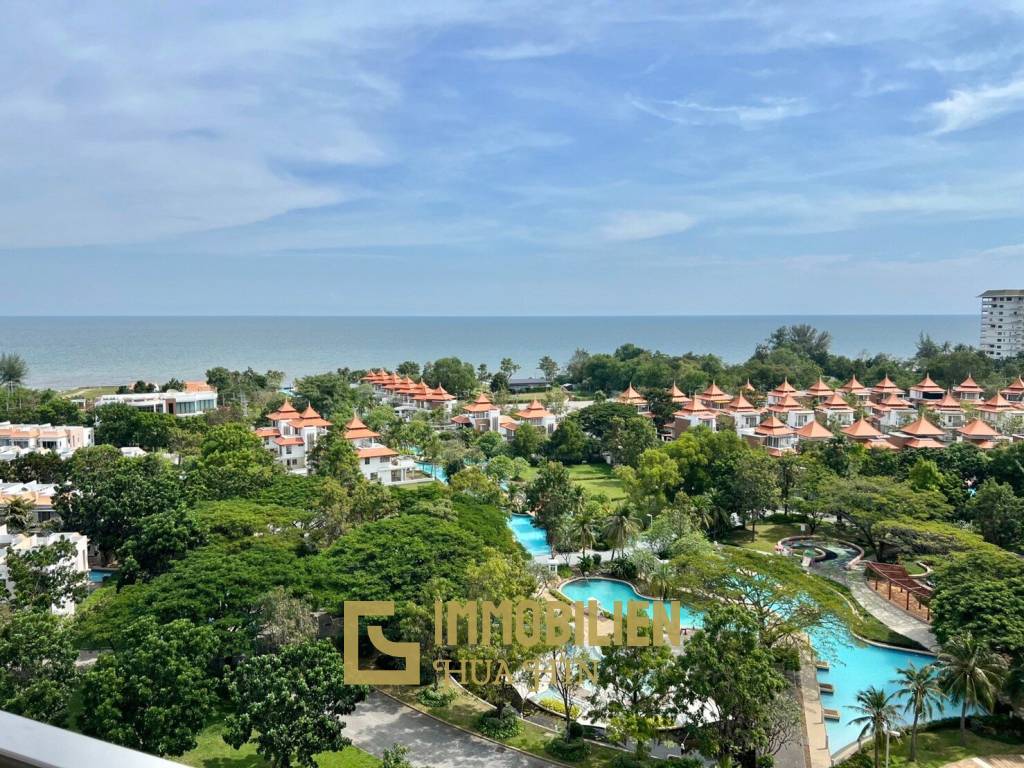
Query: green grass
{"x": 213, "y": 752}
{"x": 937, "y": 748}
{"x": 89, "y": 393}
{"x": 595, "y": 478}
{"x": 465, "y": 711}
{"x": 765, "y": 538}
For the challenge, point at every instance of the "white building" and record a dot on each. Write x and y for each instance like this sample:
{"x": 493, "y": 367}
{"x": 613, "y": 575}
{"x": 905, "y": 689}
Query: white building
{"x": 25, "y": 542}
{"x": 19, "y": 439}
{"x": 173, "y": 402}
{"x": 836, "y": 409}
{"x": 1002, "y": 322}
{"x": 378, "y": 462}
{"x": 538, "y": 416}
{"x": 39, "y": 495}
{"x": 293, "y": 435}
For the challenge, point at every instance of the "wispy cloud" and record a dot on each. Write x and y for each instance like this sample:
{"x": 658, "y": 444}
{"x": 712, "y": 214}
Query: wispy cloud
{"x": 645, "y": 225}
{"x": 523, "y": 50}
{"x": 767, "y": 109}
{"x": 964, "y": 109}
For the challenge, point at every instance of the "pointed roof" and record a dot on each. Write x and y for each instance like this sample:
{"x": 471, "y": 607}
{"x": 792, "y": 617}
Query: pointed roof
{"x": 814, "y": 430}
{"x": 740, "y": 403}
{"x": 630, "y": 396}
{"x": 886, "y": 385}
{"x": 309, "y": 418}
{"x": 787, "y": 403}
{"x": 852, "y": 385}
{"x": 715, "y": 394}
{"x": 482, "y": 404}
{"x": 978, "y": 429}
{"x": 677, "y": 394}
{"x": 968, "y": 385}
{"x": 892, "y": 400}
{"x": 921, "y": 427}
{"x": 819, "y": 388}
{"x": 927, "y": 385}
{"x": 923, "y": 442}
{"x": 836, "y": 403}
{"x": 947, "y": 403}
{"x": 535, "y": 410}
{"x": 784, "y": 388}
{"x": 285, "y": 412}
{"x": 861, "y": 430}
{"x": 749, "y": 387}
{"x": 772, "y": 427}
{"x": 1015, "y": 387}
{"x": 995, "y": 404}
{"x": 355, "y": 429}
{"x": 694, "y": 408}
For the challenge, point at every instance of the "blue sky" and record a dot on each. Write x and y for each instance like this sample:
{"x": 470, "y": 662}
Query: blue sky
{"x": 459, "y": 157}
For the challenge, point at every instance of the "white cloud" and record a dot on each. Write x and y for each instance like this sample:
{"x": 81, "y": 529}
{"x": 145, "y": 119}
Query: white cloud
{"x": 523, "y": 50}
{"x": 644, "y": 225}
{"x": 765, "y": 110}
{"x": 964, "y": 109}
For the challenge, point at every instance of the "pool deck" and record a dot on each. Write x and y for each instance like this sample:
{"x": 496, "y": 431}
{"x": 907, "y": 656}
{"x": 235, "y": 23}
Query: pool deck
{"x": 892, "y": 616}
{"x": 815, "y": 737}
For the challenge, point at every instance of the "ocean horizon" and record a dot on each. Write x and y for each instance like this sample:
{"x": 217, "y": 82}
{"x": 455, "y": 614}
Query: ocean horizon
{"x": 93, "y": 350}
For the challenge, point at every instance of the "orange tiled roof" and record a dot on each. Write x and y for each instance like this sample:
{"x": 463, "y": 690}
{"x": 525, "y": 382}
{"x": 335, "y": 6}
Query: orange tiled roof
{"x": 772, "y": 427}
{"x": 285, "y": 412}
{"x": 852, "y": 385}
{"x": 268, "y": 432}
{"x": 947, "y": 403}
{"x": 836, "y": 402}
{"x": 996, "y": 404}
{"x": 968, "y": 385}
{"x": 977, "y": 428}
{"x": 714, "y": 393}
{"x": 814, "y": 430}
{"x": 355, "y": 429}
{"x": 927, "y": 385}
{"x": 630, "y": 396}
{"x": 482, "y": 404}
{"x": 923, "y": 442}
{"x": 921, "y": 427}
{"x": 197, "y": 386}
{"x": 861, "y": 429}
{"x": 787, "y": 403}
{"x": 374, "y": 451}
{"x": 749, "y": 387}
{"x": 288, "y": 440}
{"x": 535, "y": 411}
{"x": 893, "y": 400}
{"x": 886, "y": 385}
{"x": 677, "y": 394}
{"x": 784, "y": 388}
{"x": 739, "y": 403}
{"x": 819, "y": 388}
{"x": 1015, "y": 387}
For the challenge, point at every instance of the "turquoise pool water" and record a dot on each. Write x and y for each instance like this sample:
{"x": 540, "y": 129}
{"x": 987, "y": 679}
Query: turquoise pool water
{"x": 854, "y": 665}
{"x": 437, "y": 473}
{"x": 99, "y": 575}
{"x": 533, "y": 538}
{"x": 607, "y": 591}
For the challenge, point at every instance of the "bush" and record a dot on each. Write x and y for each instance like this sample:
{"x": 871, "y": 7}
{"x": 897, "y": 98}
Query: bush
{"x": 628, "y": 761}
{"x": 686, "y": 761}
{"x": 766, "y": 761}
{"x": 564, "y": 572}
{"x": 576, "y": 730}
{"x": 501, "y": 723}
{"x": 556, "y": 705}
{"x": 622, "y": 568}
{"x": 571, "y": 751}
{"x": 436, "y": 696}
{"x": 788, "y": 659}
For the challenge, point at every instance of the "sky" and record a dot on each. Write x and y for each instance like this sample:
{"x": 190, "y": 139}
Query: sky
{"x": 451, "y": 157}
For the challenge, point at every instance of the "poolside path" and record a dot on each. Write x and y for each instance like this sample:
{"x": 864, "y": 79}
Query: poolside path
{"x": 380, "y": 721}
{"x": 995, "y": 761}
{"x": 895, "y": 619}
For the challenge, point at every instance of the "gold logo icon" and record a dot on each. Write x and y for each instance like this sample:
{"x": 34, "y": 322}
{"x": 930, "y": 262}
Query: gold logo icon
{"x": 408, "y": 651}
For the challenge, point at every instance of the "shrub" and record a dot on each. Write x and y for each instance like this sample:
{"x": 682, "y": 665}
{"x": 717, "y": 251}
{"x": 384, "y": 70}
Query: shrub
{"x": 628, "y": 761}
{"x": 571, "y": 751}
{"x": 686, "y": 761}
{"x": 787, "y": 658}
{"x": 622, "y": 568}
{"x": 576, "y": 730}
{"x": 436, "y": 696}
{"x": 556, "y": 705}
{"x": 501, "y": 723}
{"x": 564, "y": 572}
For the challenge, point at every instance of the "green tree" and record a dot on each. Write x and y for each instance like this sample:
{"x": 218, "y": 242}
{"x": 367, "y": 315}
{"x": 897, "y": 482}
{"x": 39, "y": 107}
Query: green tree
{"x": 17, "y": 514}
{"x": 925, "y": 476}
{"x": 970, "y": 673}
{"x": 585, "y": 524}
{"x": 284, "y": 620}
{"x": 330, "y": 394}
{"x": 652, "y": 484}
{"x": 528, "y": 442}
{"x": 232, "y": 462}
{"x": 751, "y": 488}
{"x": 919, "y": 688}
{"x": 998, "y": 515}
{"x": 788, "y": 468}
{"x": 628, "y": 439}
{"x": 548, "y": 367}
{"x": 13, "y": 371}
{"x": 37, "y": 666}
{"x": 333, "y": 456}
{"x": 474, "y": 482}
{"x": 158, "y": 540}
{"x": 500, "y": 469}
{"x": 569, "y": 444}
{"x": 291, "y": 704}
{"x": 45, "y": 576}
{"x": 553, "y": 496}
{"x": 153, "y": 693}
{"x": 408, "y": 368}
{"x": 620, "y": 528}
{"x": 508, "y": 366}
{"x": 455, "y": 376}
{"x": 877, "y": 716}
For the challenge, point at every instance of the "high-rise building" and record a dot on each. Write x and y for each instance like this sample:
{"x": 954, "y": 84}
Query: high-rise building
{"x": 1002, "y": 322}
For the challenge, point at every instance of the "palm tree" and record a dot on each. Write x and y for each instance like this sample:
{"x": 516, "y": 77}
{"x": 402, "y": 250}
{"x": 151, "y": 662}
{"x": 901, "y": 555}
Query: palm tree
{"x": 585, "y": 529}
{"x": 17, "y": 513}
{"x": 971, "y": 673}
{"x": 878, "y": 715}
{"x": 920, "y": 688}
{"x": 13, "y": 371}
{"x": 620, "y": 528}
{"x": 663, "y": 579}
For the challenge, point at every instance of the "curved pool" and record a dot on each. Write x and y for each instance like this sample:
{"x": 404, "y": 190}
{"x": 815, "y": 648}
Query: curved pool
{"x": 533, "y": 538}
{"x": 854, "y": 665}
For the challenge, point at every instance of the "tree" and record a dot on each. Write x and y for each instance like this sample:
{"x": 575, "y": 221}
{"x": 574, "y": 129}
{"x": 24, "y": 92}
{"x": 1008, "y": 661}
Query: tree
{"x": 397, "y": 756}
{"x": 408, "y": 368}
{"x": 528, "y": 442}
{"x": 330, "y": 394}
{"x": 491, "y": 443}
{"x": 662, "y": 580}
{"x": 13, "y": 371}
{"x": 508, "y": 366}
{"x": 153, "y": 693}
{"x": 17, "y": 514}
{"x": 37, "y": 666}
{"x": 877, "y": 716}
{"x": 158, "y": 540}
{"x": 499, "y": 385}
{"x": 291, "y": 704}
{"x": 629, "y": 438}
{"x": 333, "y": 456}
{"x": 472, "y": 481}
{"x": 585, "y": 524}
{"x": 620, "y": 528}
{"x": 553, "y": 496}
{"x": 998, "y": 514}
{"x": 232, "y": 462}
{"x": 725, "y": 663}
{"x": 284, "y": 620}
{"x": 569, "y": 444}
{"x": 652, "y": 483}
{"x": 751, "y": 487}
{"x": 788, "y": 468}
{"x": 455, "y": 376}
{"x": 332, "y": 514}
{"x": 919, "y": 687}
{"x": 548, "y": 367}
{"x": 45, "y": 576}
{"x": 122, "y": 425}
{"x": 971, "y": 673}
{"x": 500, "y": 469}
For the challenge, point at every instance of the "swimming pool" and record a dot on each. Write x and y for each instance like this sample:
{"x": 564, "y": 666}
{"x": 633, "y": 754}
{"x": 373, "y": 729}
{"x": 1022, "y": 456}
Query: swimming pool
{"x": 533, "y": 538}
{"x": 99, "y": 575}
{"x": 853, "y": 665}
{"x": 436, "y": 472}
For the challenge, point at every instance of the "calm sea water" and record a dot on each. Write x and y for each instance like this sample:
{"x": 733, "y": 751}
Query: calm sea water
{"x": 80, "y": 351}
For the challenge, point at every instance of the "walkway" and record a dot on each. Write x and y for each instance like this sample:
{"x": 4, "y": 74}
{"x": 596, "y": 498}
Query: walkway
{"x": 894, "y": 618}
{"x": 380, "y": 722}
{"x": 813, "y": 744}
{"x": 995, "y": 761}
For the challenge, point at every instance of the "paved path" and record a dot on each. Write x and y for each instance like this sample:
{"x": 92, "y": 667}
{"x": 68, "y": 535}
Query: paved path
{"x": 995, "y": 761}
{"x": 379, "y": 722}
{"x": 890, "y": 615}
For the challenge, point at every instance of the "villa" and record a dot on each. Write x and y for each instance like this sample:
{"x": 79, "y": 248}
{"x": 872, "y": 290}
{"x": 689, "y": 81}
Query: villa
{"x": 775, "y": 436}
{"x": 482, "y": 415}
{"x": 862, "y": 432}
{"x": 948, "y": 412}
{"x": 968, "y": 391}
{"x": 814, "y": 432}
{"x": 293, "y": 435}
{"x": 174, "y": 402}
{"x": 884, "y": 389}
{"x": 378, "y": 462}
{"x": 677, "y": 396}
{"x": 713, "y": 397}
{"x": 538, "y": 416}
{"x": 998, "y": 411}
{"x": 920, "y": 433}
{"x": 926, "y": 391}
{"x": 980, "y": 433}
{"x": 855, "y": 389}
{"x": 819, "y": 391}
{"x": 26, "y": 542}
{"x": 892, "y": 411}
{"x": 783, "y": 391}
{"x": 19, "y": 439}
{"x": 630, "y": 396}
{"x": 40, "y": 495}
{"x": 744, "y": 415}
{"x": 1015, "y": 391}
{"x": 791, "y": 411}
{"x": 836, "y": 409}
{"x": 693, "y": 414}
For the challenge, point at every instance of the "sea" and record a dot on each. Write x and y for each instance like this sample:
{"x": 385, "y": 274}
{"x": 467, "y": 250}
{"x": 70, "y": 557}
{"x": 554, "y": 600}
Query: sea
{"x": 69, "y": 352}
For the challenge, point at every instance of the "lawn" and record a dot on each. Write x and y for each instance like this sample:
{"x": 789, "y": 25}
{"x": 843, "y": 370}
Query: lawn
{"x": 89, "y": 393}
{"x": 765, "y": 538}
{"x": 466, "y": 710}
{"x": 213, "y": 752}
{"x": 595, "y": 478}
{"x": 937, "y": 748}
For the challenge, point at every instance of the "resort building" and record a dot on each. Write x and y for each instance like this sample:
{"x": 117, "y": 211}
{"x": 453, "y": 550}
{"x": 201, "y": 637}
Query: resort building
{"x": 19, "y": 439}
{"x": 969, "y": 391}
{"x": 998, "y": 411}
{"x": 925, "y": 391}
{"x": 892, "y": 412}
{"x": 39, "y": 495}
{"x": 814, "y": 432}
{"x": 855, "y": 389}
{"x": 713, "y": 397}
{"x": 693, "y": 414}
{"x": 884, "y": 389}
{"x": 293, "y": 435}
{"x": 791, "y": 411}
{"x": 22, "y": 543}
{"x": 862, "y": 432}
{"x": 677, "y": 395}
{"x": 1015, "y": 391}
{"x": 775, "y": 436}
{"x": 947, "y": 412}
{"x": 919, "y": 433}
{"x": 781, "y": 392}
{"x": 631, "y": 397}
{"x": 538, "y": 416}
{"x": 172, "y": 401}
{"x": 836, "y": 410}
{"x": 378, "y": 462}
{"x": 980, "y": 433}
{"x": 819, "y": 391}
{"x": 1002, "y": 323}
{"x": 481, "y": 415}
{"x": 744, "y": 415}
